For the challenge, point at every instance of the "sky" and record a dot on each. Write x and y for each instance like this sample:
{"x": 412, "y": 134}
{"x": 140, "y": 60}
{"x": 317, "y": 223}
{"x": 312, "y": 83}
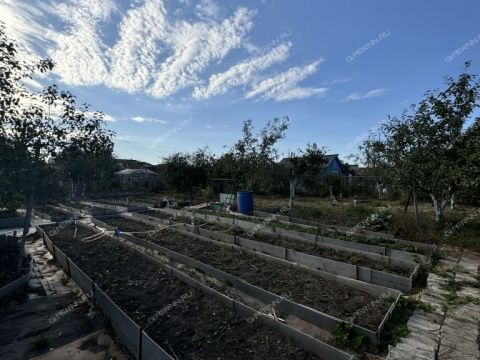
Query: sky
{"x": 179, "y": 75}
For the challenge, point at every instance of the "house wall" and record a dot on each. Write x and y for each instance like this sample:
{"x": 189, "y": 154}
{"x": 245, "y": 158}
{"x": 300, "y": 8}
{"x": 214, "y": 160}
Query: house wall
{"x": 334, "y": 167}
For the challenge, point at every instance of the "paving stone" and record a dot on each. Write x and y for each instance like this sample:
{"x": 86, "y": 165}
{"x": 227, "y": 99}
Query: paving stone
{"x": 462, "y": 351}
{"x": 454, "y": 336}
{"x": 413, "y": 347}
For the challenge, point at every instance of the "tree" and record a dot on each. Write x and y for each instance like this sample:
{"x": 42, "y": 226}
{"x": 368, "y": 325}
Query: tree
{"x": 184, "y": 171}
{"x": 38, "y": 126}
{"x": 422, "y": 148}
{"x": 255, "y": 156}
{"x": 304, "y": 163}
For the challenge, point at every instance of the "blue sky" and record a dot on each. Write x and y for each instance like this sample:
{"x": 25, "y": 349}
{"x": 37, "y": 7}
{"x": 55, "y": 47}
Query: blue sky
{"x": 178, "y": 75}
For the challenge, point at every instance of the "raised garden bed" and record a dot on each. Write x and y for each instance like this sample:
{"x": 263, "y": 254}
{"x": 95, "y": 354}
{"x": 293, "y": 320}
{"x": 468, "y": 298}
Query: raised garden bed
{"x": 352, "y": 263}
{"x": 11, "y": 282}
{"x": 401, "y": 249}
{"x": 305, "y": 288}
{"x": 310, "y": 248}
{"x": 51, "y": 213}
{"x": 10, "y": 219}
{"x": 199, "y": 328}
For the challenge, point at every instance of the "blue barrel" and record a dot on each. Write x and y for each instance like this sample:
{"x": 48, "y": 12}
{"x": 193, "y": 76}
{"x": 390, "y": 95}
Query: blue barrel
{"x": 245, "y": 202}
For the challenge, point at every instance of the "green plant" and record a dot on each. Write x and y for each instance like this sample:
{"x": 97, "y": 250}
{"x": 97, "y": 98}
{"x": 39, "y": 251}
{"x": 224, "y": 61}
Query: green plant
{"x": 378, "y": 221}
{"x": 346, "y": 336}
{"x": 40, "y": 342}
{"x": 396, "y": 326}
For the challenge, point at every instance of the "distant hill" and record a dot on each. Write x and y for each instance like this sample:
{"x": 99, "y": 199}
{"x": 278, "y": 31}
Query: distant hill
{"x": 131, "y": 164}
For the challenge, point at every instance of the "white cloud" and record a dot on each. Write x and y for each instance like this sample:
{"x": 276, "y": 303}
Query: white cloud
{"x": 141, "y": 119}
{"x": 149, "y": 50}
{"x": 134, "y": 56}
{"x": 195, "y": 46}
{"x": 241, "y": 73}
{"x": 207, "y": 9}
{"x": 370, "y": 94}
{"x": 108, "y": 118}
{"x": 32, "y": 84}
{"x": 80, "y": 53}
{"x": 283, "y": 87}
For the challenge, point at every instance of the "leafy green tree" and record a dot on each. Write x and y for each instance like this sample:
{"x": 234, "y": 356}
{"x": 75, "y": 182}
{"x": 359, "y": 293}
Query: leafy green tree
{"x": 306, "y": 164}
{"x": 185, "y": 171}
{"x": 38, "y": 126}
{"x": 422, "y": 148}
{"x": 255, "y": 155}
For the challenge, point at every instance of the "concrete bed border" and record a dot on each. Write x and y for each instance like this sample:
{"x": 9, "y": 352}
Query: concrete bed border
{"x": 300, "y": 221}
{"x": 356, "y": 272}
{"x": 145, "y": 348}
{"x": 376, "y": 249}
{"x": 377, "y": 277}
{"x": 12, "y": 222}
{"x": 17, "y": 286}
{"x": 140, "y": 345}
{"x": 308, "y": 314}
{"x": 365, "y": 233}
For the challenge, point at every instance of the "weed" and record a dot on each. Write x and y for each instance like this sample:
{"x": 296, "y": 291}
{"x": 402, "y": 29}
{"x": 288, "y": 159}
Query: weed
{"x": 346, "y": 336}
{"x": 396, "y": 325}
{"x": 40, "y": 342}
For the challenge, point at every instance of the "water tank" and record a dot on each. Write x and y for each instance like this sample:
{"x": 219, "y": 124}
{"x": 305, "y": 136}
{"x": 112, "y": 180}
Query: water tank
{"x": 245, "y": 202}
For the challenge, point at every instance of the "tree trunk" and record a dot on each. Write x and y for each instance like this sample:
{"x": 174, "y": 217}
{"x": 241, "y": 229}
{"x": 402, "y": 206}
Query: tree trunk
{"x": 408, "y": 200}
{"x": 28, "y": 214}
{"x": 415, "y": 202}
{"x": 439, "y": 207}
{"x": 452, "y": 202}
{"x": 293, "y": 185}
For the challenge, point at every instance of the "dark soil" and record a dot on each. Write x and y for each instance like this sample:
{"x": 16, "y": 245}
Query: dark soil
{"x": 54, "y": 213}
{"x": 197, "y": 328}
{"x": 157, "y": 214}
{"x": 354, "y": 259}
{"x": 326, "y": 296}
{"x": 9, "y": 252}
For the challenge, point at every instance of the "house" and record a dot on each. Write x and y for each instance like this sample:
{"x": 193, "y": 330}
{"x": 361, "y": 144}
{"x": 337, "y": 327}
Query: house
{"x": 129, "y": 178}
{"x": 331, "y": 165}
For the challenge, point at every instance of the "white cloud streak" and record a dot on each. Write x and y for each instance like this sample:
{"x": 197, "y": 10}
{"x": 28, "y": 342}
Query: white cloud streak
{"x": 241, "y": 73}
{"x": 79, "y": 55}
{"x": 149, "y": 51}
{"x": 283, "y": 87}
{"x": 134, "y": 56}
{"x": 195, "y": 46}
{"x": 370, "y": 94}
{"x": 141, "y": 119}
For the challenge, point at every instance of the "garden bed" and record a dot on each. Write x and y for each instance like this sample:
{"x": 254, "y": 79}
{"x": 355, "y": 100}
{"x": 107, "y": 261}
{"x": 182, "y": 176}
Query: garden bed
{"x": 199, "y": 328}
{"x": 305, "y": 288}
{"x": 401, "y": 249}
{"x": 50, "y": 213}
{"x": 12, "y": 284}
{"x": 312, "y": 249}
{"x": 9, "y": 253}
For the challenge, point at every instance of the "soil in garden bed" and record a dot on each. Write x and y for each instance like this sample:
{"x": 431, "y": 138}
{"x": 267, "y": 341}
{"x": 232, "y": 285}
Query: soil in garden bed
{"x": 332, "y": 233}
{"x": 354, "y": 259}
{"x": 157, "y": 214}
{"x": 54, "y": 213}
{"x": 195, "y": 326}
{"x": 9, "y": 252}
{"x": 326, "y": 296}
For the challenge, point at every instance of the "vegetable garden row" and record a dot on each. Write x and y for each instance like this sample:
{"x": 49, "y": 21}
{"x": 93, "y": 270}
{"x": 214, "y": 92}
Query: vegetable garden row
{"x": 318, "y": 285}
